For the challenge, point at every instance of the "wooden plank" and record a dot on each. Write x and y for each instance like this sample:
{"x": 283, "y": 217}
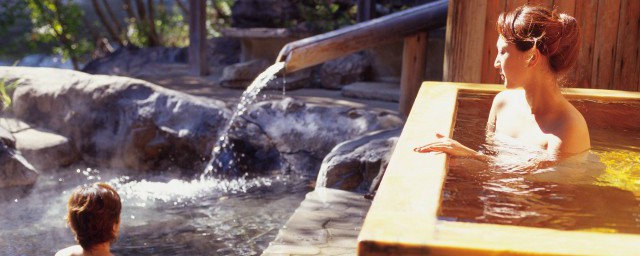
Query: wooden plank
{"x": 626, "y": 60}
{"x": 490, "y": 74}
{"x": 393, "y": 27}
{"x": 414, "y": 59}
{"x": 605, "y": 44}
{"x": 197, "y": 38}
{"x": 638, "y": 62}
{"x": 586, "y": 13}
{"x": 465, "y": 28}
{"x": 513, "y": 4}
{"x": 545, "y": 3}
{"x": 566, "y": 6}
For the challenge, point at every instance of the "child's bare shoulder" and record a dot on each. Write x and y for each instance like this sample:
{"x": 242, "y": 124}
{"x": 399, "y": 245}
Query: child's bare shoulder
{"x": 75, "y": 250}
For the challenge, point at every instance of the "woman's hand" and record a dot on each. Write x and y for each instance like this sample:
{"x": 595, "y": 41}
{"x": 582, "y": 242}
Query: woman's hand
{"x": 446, "y": 145}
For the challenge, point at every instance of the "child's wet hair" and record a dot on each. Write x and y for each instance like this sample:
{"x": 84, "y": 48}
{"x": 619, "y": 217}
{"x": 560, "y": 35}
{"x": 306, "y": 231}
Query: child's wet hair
{"x": 93, "y": 213}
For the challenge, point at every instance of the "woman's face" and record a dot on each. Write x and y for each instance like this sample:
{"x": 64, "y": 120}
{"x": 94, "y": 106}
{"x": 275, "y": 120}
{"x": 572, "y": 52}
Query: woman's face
{"x": 512, "y": 64}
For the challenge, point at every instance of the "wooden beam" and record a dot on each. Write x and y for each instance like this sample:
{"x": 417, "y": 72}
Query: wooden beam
{"x": 393, "y": 27}
{"x": 464, "y": 40}
{"x": 414, "y": 55}
{"x": 198, "y": 38}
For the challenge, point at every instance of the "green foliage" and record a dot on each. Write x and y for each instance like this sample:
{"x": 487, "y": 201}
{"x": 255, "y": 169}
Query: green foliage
{"x": 172, "y": 28}
{"x": 218, "y": 16}
{"x": 5, "y": 91}
{"x": 13, "y": 18}
{"x": 322, "y": 16}
{"x": 12, "y": 11}
{"x": 60, "y": 27}
{"x": 59, "y": 21}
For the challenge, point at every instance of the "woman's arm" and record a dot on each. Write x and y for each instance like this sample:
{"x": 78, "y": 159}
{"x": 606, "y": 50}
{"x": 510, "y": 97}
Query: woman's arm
{"x": 454, "y": 148}
{"x": 451, "y": 147}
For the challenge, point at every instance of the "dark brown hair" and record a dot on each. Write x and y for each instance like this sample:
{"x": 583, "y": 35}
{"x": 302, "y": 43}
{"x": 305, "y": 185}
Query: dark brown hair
{"x": 93, "y": 212}
{"x": 557, "y": 36}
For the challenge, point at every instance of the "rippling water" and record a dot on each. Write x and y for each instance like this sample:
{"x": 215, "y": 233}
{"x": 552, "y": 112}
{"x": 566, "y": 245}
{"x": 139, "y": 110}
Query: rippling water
{"x": 161, "y": 215}
{"x": 598, "y": 192}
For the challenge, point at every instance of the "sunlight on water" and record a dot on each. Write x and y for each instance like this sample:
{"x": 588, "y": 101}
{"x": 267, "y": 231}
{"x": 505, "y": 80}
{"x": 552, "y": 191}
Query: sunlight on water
{"x": 622, "y": 169}
{"x": 177, "y": 190}
{"x": 160, "y": 215}
{"x": 596, "y": 191}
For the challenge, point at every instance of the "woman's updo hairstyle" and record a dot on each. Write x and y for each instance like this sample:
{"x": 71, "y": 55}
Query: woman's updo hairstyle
{"x": 557, "y": 36}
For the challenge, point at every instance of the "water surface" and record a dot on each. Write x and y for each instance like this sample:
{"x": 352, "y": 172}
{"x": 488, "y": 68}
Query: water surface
{"x": 597, "y": 191}
{"x": 161, "y": 215}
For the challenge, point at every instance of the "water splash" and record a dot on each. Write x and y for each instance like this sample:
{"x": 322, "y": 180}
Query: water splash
{"x": 183, "y": 191}
{"x": 222, "y": 156}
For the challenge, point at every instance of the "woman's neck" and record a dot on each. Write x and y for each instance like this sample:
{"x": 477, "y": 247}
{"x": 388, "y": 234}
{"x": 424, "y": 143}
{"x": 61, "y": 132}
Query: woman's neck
{"x": 543, "y": 95}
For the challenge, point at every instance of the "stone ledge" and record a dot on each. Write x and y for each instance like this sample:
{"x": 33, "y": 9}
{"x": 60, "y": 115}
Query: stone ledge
{"x": 372, "y": 91}
{"x": 326, "y": 223}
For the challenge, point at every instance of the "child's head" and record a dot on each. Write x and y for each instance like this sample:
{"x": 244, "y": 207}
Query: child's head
{"x": 94, "y": 214}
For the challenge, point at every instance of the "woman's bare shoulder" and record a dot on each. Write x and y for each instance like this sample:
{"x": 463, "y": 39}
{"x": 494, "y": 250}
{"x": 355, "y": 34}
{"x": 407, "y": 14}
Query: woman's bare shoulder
{"x": 505, "y": 98}
{"x": 574, "y": 133}
{"x": 509, "y": 96}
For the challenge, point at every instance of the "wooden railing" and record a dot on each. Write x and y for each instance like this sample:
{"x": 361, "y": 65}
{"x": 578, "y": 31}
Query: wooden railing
{"x": 411, "y": 25}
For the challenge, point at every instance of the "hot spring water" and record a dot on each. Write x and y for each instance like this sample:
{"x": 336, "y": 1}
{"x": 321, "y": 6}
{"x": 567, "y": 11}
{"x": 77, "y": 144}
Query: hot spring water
{"x": 162, "y": 214}
{"x": 599, "y": 192}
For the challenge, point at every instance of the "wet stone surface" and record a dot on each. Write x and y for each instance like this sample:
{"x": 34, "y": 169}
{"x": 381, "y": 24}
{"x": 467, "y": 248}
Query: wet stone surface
{"x": 327, "y": 222}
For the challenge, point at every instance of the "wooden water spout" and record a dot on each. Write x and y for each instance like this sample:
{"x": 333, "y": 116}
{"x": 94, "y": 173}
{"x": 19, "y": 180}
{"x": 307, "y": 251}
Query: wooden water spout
{"x": 411, "y": 25}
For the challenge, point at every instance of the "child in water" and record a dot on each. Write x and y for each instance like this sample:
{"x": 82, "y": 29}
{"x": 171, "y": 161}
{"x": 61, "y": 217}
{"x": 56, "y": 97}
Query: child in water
{"x": 94, "y": 217}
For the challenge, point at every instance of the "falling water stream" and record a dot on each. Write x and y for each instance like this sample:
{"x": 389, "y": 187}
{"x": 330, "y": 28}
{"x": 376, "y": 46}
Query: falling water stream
{"x": 216, "y": 164}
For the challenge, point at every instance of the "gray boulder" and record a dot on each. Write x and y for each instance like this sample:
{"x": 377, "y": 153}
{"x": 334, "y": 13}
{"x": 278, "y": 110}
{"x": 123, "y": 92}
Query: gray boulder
{"x": 45, "y": 150}
{"x": 336, "y": 73}
{"x": 358, "y": 165}
{"x": 240, "y": 75}
{"x": 297, "y": 136}
{"x": 14, "y": 169}
{"x": 140, "y": 62}
{"x": 118, "y": 122}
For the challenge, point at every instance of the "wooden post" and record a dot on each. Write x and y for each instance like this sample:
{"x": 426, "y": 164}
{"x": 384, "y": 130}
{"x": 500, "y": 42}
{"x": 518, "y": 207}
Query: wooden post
{"x": 366, "y": 10}
{"x": 198, "y": 38}
{"x": 464, "y": 40}
{"x": 414, "y": 56}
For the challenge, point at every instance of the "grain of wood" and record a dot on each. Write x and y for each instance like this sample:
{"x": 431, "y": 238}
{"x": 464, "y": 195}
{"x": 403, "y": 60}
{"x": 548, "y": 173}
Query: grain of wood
{"x": 414, "y": 57}
{"x": 626, "y": 57}
{"x": 489, "y": 73}
{"x": 464, "y": 41}
{"x": 605, "y": 44}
